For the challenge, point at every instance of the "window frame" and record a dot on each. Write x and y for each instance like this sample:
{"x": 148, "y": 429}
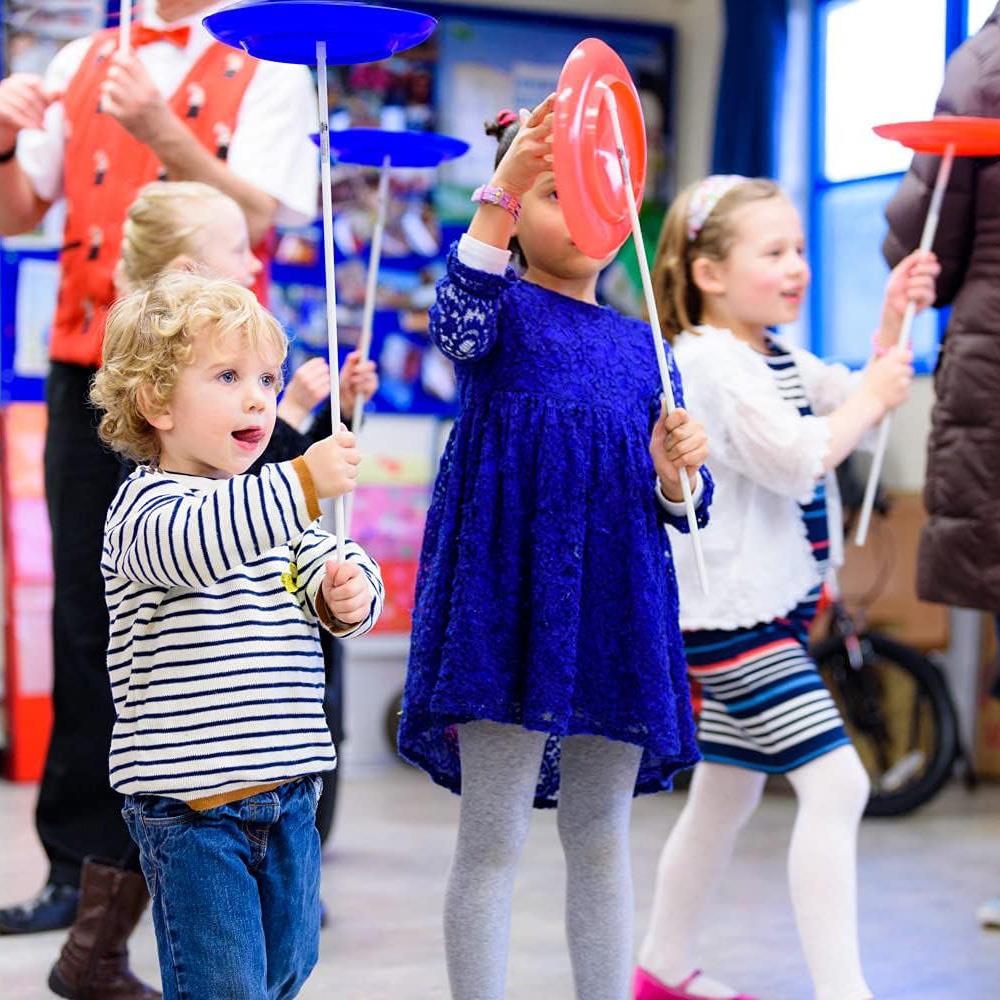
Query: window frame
{"x": 819, "y": 185}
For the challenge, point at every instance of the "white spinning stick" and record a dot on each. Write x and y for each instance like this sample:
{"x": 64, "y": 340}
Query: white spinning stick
{"x": 371, "y": 290}
{"x": 125, "y": 27}
{"x": 926, "y": 242}
{"x": 322, "y": 102}
{"x": 654, "y": 322}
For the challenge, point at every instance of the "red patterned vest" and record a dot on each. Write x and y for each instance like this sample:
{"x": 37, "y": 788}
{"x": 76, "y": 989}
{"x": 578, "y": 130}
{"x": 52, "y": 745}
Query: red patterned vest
{"x": 104, "y": 167}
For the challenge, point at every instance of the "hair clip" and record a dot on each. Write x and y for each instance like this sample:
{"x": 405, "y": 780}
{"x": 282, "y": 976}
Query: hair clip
{"x": 506, "y": 117}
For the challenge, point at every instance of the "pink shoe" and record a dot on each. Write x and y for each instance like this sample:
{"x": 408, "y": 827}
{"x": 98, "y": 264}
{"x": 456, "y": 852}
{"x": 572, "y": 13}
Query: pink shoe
{"x": 647, "y": 987}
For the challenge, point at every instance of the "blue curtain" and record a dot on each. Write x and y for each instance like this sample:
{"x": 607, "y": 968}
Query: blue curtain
{"x": 748, "y": 113}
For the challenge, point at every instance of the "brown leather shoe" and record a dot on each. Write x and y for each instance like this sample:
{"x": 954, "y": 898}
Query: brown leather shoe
{"x": 93, "y": 964}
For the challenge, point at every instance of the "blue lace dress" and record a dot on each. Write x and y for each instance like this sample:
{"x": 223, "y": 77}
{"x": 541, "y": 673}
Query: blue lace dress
{"x": 546, "y": 595}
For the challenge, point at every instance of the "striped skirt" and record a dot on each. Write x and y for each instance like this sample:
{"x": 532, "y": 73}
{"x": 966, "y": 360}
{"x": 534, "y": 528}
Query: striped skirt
{"x": 765, "y": 706}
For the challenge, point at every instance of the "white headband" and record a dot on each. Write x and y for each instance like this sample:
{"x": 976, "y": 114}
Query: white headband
{"x": 705, "y": 197}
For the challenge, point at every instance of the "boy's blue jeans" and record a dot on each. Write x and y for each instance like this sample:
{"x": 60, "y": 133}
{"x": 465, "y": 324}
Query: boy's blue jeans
{"x": 235, "y": 892}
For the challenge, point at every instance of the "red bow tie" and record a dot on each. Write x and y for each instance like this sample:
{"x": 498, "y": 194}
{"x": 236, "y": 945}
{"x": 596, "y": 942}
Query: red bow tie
{"x": 142, "y": 34}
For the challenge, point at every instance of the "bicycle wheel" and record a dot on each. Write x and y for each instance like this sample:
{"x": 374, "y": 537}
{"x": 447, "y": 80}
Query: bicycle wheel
{"x": 900, "y": 717}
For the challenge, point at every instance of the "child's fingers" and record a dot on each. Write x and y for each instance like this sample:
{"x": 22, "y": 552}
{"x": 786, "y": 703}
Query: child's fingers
{"x": 684, "y": 451}
{"x": 678, "y": 413}
{"x": 345, "y": 438}
{"x": 341, "y": 572}
{"x": 928, "y": 266}
{"x": 540, "y": 111}
{"x": 350, "y": 608}
{"x": 315, "y": 364}
{"x": 692, "y": 458}
{"x": 675, "y": 421}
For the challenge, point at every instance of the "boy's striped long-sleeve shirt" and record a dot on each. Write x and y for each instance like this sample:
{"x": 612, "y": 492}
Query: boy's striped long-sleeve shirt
{"x": 213, "y": 590}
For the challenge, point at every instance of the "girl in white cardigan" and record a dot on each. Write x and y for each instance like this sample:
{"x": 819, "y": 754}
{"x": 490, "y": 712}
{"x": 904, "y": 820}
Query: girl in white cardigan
{"x": 730, "y": 266}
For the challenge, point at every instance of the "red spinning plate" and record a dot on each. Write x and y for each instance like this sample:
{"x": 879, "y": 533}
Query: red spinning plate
{"x": 970, "y": 136}
{"x": 584, "y": 158}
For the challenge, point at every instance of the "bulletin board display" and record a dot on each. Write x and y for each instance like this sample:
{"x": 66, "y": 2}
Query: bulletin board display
{"x": 476, "y": 63}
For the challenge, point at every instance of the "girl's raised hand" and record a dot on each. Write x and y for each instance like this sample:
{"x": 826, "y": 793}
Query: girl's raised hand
{"x": 888, "y": 378}
{"x": 912, "y": 280}
{"x": 309, "y": 386}
{"x": 356, "y": 377}
{"x": 531, "y": 151}
{"x": 679, "y": 445}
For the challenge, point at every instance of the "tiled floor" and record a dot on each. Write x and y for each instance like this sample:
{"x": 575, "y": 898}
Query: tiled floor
{"x": 383, "y": 881}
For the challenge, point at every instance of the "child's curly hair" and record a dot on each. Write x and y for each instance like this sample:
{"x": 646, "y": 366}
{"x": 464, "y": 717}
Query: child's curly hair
{"x": 150, "y": 337}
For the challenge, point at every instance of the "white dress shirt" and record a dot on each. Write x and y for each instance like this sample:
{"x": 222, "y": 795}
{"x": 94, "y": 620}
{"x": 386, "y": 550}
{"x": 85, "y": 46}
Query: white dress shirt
{"x": 270, "y": 147}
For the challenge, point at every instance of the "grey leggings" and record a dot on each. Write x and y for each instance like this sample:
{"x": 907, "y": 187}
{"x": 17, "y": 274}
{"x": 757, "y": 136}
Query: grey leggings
{"x": 500, "y": 765}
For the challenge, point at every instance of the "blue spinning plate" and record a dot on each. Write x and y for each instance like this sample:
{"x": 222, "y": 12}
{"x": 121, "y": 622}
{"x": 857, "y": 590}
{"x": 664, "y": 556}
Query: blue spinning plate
{"x": 288, "y": 30}
{"x": 368, "y": 147}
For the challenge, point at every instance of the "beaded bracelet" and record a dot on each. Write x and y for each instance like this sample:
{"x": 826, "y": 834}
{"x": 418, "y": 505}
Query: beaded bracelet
{"x": 490, "y": 194}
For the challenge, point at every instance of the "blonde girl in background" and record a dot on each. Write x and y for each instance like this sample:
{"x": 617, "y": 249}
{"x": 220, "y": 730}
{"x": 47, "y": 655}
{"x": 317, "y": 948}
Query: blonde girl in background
{"x": 730, "y": 266}
{"x": 186, "y": 225}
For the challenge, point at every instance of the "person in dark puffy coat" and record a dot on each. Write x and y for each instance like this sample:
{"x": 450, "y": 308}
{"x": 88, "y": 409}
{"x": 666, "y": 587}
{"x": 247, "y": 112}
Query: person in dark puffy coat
{"x": 959, "y": 556}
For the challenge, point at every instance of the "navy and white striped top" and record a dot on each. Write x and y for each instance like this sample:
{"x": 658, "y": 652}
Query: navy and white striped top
{"x": 814, "y": 513}
{"x": 214, "y": 655}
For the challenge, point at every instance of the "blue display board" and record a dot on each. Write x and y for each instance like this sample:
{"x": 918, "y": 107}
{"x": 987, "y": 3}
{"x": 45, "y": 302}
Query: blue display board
{"x": 28, "y": 282}
{"x": 476, "y": 62}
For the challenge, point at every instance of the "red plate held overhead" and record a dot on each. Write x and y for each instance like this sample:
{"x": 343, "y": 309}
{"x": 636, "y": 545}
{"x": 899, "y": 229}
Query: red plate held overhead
{"x": 589, "y": 178}
{"x": 970, "y": 136}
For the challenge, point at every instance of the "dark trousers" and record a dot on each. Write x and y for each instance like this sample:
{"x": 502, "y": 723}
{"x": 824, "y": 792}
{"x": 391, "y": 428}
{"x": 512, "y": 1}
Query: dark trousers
{"x": 78, "y": 813}
{"x": 333, "y": 706}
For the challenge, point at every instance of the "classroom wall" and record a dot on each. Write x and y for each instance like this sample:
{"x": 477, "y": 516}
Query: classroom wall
{"x": 700, "y": 26}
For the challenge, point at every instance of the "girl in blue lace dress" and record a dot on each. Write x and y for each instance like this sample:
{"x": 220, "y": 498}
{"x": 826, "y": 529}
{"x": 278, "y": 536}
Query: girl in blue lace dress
{"x": 546, "y": 663}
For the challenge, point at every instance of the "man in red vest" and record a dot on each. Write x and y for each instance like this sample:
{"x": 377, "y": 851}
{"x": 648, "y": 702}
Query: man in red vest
{"x": 97, "y": 128}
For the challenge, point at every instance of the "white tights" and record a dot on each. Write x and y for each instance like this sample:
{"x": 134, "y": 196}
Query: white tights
{"x": 822, "y": 870}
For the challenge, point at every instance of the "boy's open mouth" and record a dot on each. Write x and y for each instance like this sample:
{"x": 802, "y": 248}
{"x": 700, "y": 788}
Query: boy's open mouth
{"x": 250, "y": 436}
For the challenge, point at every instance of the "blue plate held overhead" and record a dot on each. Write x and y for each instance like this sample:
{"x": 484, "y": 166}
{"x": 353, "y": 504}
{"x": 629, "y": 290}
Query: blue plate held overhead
{"x": 368, "y": 147}
{"x": 288, "y": 30}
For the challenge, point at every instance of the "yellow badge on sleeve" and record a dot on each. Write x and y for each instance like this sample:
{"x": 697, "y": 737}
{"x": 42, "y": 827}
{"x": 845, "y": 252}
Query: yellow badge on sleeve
{"x": 290, "y": 578}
